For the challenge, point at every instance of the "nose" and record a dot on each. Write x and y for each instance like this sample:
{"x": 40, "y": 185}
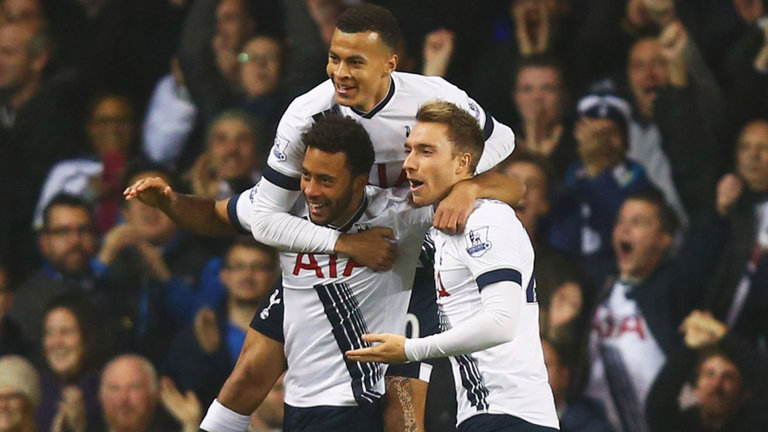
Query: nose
{"x": 310, "y": 188}
{"x": 341, "y": 70}
{"x": 410, "y": 162}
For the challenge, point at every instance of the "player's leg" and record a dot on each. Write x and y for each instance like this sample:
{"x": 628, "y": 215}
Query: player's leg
{"x": 404, "y": 404}
{"x": 261, "y": 362}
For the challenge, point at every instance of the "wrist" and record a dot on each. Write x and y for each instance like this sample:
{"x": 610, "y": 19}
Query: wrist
{"x": 222, "y": 419}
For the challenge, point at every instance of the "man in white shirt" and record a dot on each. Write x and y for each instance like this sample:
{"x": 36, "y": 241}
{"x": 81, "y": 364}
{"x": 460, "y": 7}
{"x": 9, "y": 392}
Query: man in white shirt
{"x": 485, "y": 287}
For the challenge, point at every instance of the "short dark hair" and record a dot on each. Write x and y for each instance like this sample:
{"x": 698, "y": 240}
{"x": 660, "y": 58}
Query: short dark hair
{"x": 540, "y": 60}
{"x": 140, "y": 165}
{"x": 463, "y": 130}
{"x": 339, "y": 134}
{"x": 667, "y": 217}
{"x": 65, "y": 200}
{"x": 535, "y": 159}
{"x": 251, "y": 243}
{"x": 369, "y": 17}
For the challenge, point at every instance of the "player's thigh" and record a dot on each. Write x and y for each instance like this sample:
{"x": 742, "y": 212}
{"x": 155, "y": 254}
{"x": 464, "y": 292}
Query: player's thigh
{"x": 361, "y": 418}
{"x": 499, "y": 423}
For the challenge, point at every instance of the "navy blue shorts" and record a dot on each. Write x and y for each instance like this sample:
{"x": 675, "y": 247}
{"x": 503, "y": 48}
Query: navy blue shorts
{"x": 499, "y": 423}
{"x": 363, "y": 418}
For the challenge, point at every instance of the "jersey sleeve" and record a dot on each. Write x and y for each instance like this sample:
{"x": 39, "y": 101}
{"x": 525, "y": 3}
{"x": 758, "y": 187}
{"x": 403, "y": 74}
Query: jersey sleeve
{"x": 495, "y": 247}
{"x": 269, "y": 203}
{"x": 499, "y": 138}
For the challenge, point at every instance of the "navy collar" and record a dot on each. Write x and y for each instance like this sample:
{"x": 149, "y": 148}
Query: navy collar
{"x": 379, "y": 106}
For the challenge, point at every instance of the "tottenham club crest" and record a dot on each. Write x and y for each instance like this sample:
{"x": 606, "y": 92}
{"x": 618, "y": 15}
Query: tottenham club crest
{"x": 278, "y": 149}
{"x": 477, "y": 242}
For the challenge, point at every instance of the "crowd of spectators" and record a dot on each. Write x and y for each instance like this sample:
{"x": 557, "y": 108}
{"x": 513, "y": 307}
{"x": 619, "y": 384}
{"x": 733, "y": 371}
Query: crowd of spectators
{"x": 641, "y": 135}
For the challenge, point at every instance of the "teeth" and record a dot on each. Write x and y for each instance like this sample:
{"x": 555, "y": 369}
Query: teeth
{"x": 316, "y": 206}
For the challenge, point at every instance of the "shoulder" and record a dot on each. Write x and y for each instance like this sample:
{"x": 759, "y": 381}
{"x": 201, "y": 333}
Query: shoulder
{"x": 430, "y": 87}
{"x": 317, "y": 100}
{"x": 492, "y": 212}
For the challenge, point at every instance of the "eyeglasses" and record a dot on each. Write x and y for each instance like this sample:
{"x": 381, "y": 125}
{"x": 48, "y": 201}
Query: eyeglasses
{"x": 253, "y": 268}
{"x": 80, "y": 230}
{"x": 245, "y": 57}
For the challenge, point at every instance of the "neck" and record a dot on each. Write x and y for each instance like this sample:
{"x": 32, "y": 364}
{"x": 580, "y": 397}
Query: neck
{"x": 241, "y": 313}
{"x": 379, "y": 96}
{"x": 351, "y": 210}
{"x": 450, "y": 188}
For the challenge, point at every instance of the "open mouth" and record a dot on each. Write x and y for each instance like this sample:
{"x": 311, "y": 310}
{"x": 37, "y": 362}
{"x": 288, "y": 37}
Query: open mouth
{"x": 626, "y": 248}
{"x": 343, "y": 90}
{"x": 415, "y": 184}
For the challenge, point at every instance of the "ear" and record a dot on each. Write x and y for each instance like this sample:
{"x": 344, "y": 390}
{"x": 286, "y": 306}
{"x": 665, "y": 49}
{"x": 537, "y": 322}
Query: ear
{"x": 391, "y": 64}
{"x": 666, "y": 241}
{"x": 465, "y": 160}
{"x": 38, "y": 63}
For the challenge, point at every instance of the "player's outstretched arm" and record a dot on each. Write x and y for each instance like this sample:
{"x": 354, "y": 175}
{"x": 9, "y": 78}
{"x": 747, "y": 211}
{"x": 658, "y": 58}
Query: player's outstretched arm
{"x": 494, "y": 325}
{"x": 197, "y": 214}
{"x": 260, "y": 364}
{"x": 452, "y": 213}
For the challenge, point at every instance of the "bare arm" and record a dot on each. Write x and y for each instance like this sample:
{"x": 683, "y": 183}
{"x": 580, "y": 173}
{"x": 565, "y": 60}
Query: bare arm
{"x": 260, "y": 364}
{"x": 199, "y": 215}
{"x": 452, "y": 213}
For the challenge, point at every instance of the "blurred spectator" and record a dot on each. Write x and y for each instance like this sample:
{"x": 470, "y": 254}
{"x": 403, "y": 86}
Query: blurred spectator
{"x": 150, "y": 270}
{"x": 261, "y": 91}
{"x": 677, "y": 117}
{"x": 576, "y": 414}
{"x": 540, "y": 99}
{"x": 37, "y": 125}
{"x": 232, "y": 161}
{"x": 203, "y": 354}
{"x": 129, "y": 394}
{"x": 19, "y": 394}
{"x": 438, "y": 52}
{"x": 562, "y": 296}
{"x": 740, "y": 285}
{"x": 729, "y": 382}
{"x": 597, "y": 183}
{"x": 74, "y": 348}
{"x": 11, "y": 339}
{"x": 111, "y": 131}
{"x": 309, "y": 25}
{"x": 170, "y": 120}
{"x": 68, "y": 244}
{"x": 634, "y": 327}
{"x": 214, "y": 32}
{"x": 747, "y": 65}
{"x": 530, "y": 28}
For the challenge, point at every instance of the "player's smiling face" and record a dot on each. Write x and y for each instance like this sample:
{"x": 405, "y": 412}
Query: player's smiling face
{"x": 332, "y": 194}
{"x": 360, "y": 64}
{"x": 431, "y": 164}
{"x": 638, "y": 239}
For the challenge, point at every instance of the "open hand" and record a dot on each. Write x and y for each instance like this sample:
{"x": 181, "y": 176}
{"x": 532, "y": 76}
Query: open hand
{"x": 391, "y": 349}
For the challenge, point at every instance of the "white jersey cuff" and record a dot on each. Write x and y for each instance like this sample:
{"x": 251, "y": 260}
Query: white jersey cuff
{"x": 222, "y": 419}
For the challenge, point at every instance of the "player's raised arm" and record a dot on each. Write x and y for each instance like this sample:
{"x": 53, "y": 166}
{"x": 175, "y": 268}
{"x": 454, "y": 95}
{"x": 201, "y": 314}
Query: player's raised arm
{"x": 197, "y": 214}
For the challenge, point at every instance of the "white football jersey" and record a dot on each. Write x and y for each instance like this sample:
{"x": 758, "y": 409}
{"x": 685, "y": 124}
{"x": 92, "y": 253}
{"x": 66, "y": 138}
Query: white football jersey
{"x": 330, "y": 301}
{"x": 388, "y": 125}
{"x": 510, "y": 378}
